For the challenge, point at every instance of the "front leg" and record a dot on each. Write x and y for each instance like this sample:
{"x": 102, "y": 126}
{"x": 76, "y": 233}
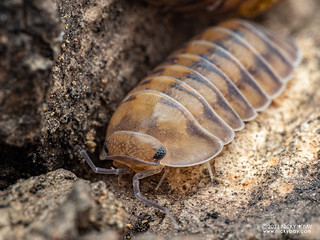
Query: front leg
{"x": 138, "y": 194}
{"x": 102, "y": 170}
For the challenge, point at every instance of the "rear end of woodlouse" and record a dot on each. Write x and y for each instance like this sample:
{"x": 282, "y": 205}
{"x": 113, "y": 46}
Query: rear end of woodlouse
{"x": 191, "y": 105}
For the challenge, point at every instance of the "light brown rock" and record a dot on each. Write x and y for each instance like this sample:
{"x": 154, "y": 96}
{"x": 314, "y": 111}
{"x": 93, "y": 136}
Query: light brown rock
{"x": 58, "y": 205}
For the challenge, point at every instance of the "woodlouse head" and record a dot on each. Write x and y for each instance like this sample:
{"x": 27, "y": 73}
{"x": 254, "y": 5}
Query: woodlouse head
{"x": 135, "y": 150}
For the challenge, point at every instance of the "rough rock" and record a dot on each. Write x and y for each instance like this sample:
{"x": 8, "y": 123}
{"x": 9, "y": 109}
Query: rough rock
{"x": 30, "y": 35}
{"x": 29, "y": 42}
{"x": 59, "y": 205}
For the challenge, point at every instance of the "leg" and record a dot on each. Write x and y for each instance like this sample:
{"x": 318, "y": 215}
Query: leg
{"x": 132, "y": 160}
{"x": 102, "y": 170}
{"x": 210, "y": 170}
{"x": 138, "y": 194}
{"x": 166, "y": 171}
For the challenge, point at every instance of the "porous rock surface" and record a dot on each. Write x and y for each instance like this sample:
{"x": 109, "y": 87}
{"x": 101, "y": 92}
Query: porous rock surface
{"x": 59, "y": 205}
{"x": 268, "y": 176}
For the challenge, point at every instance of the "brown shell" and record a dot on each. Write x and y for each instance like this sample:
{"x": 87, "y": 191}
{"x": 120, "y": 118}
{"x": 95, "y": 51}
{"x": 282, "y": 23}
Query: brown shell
{"x": 248, "y": 8}
{"x": 194, "y": 102}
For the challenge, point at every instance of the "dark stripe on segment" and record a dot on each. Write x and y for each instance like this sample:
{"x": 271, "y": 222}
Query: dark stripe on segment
{"x": 286, "y": 46}
{"x": 145, "y": 82}
{"x": 245, "y": 76}
{"x": 200, "y": 78}
{"x": 157, "y": 71}
{"x": 192, "y": 129}
{"x": 222, "y": 130}
{"x": 246, "y": 84}
{"x": 271, "y": 41}
{"x": 209, "y": 112}
{"x": 196, "y": 76}
{"x": 228, "y": 114}
{"x": 213, "y": 78}
{"x": 235, "y": 121}
{"x": 232, "y": 89}
{"x": 173, "y": 105}
{"x": 193, "y": 101}
{"x": 280, "y": 63}
{"x": 256, "y": 65}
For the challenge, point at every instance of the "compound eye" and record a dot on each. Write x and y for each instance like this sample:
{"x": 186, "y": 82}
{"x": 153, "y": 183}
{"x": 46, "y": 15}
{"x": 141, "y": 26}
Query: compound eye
{"x": 160, "y": 153}
{"x": 105, "y": 147}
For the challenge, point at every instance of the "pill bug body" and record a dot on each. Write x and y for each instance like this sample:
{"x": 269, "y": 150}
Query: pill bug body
{"x": 191, "y": 105}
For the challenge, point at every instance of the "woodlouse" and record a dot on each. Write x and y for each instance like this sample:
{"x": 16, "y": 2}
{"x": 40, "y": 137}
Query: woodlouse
{"x": 190, "y": 106}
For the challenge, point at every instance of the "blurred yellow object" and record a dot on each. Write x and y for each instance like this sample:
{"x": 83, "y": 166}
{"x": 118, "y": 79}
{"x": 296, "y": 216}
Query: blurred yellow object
{"x": 247, "y": 8}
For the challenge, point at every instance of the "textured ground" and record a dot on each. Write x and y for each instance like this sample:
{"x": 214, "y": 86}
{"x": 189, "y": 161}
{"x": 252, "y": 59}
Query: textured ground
{"x": 269, "y": 175}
